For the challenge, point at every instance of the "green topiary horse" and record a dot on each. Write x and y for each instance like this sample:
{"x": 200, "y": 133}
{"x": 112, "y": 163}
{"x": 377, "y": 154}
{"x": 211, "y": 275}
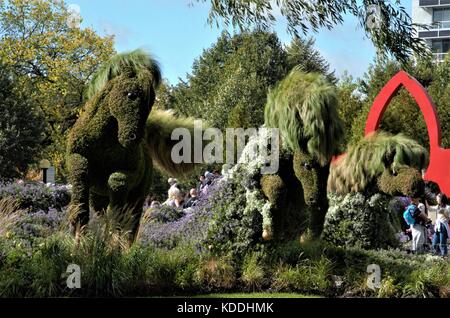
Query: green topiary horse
{"x": 304, "y": 108}
{"x": 380, "y": 163}
{"x": 114, "y": 142}
{"x": 362, "y": 184}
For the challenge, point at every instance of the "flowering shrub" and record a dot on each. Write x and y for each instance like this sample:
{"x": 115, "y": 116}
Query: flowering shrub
{"x": 361, "y": 221}
{"x": 237, "y": 224}
{"x": 168, "y": 227}
{"x": 40, "y": 224}
{"x": 36, "y": 196}
{"x": 222, "y": 221}
{"x": 229, "y": 219}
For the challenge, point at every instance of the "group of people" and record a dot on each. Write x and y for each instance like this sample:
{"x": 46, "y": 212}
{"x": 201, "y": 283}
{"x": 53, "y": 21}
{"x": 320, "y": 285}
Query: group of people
{"x": 177, "y": 199}
{"x": 428, "y": 224}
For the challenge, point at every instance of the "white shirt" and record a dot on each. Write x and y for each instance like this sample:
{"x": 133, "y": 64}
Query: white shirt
{"x": 433, "y": 211}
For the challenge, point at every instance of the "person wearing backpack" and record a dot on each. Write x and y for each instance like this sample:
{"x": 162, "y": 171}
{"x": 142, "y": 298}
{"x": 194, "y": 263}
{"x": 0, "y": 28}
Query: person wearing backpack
{"x": 441, "y": 232}
{"x": 417, "y": 220}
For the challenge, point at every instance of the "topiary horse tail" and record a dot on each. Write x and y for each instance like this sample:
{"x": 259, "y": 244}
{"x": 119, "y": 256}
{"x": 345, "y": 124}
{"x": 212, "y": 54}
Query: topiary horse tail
{"x": 160, "y": 126}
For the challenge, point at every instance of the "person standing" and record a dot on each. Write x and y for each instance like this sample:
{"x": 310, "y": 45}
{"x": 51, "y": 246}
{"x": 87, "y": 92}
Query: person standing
{"x": 442, "y": 203}
{"x": 417, "y": 220}
{"x": 441, "y": 233}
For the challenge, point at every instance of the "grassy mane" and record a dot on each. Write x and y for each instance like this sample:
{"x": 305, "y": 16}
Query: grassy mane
{"x": 370, "y": 156}
{"x": 137, "y": 60}
{"x": 304, "y": 107}
{"x": 160, "y": 125}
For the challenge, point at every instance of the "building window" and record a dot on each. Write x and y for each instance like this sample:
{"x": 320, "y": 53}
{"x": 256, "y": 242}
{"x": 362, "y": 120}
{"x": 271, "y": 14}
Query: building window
{"x": 440, "y": 46}
{"x": 442, "y": 17}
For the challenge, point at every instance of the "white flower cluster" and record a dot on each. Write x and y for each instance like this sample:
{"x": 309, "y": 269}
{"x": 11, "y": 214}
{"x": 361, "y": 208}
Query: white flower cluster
{"x": 248, "y": 166}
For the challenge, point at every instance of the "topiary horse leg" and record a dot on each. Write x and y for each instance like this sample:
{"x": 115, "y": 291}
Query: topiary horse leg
{"x": 98, "y": 203}
{"x": 320, "y": 208}
{"x": 274, "y": 189}
{"x": 118, "y": 187}
{"x": 78, "y": 178}
{"x": 313, "y": 178}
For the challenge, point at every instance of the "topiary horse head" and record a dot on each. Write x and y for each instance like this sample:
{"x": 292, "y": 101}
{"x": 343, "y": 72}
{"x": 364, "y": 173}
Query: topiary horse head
{"x": 304, "y": 108}
{"x": 380, "y": 163}
{"x": 113, "y": 143}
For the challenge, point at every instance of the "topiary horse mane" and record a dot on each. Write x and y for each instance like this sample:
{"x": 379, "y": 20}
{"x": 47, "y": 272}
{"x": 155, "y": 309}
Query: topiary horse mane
{"x": 114, "y": 142}
{"x": 304, "y": 108}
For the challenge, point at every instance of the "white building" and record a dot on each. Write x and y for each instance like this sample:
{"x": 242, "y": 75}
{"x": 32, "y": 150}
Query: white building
{"x": 436, "y": 15}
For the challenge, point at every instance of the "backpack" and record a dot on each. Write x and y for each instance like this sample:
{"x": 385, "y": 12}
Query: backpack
{"x": 408, "y": 215}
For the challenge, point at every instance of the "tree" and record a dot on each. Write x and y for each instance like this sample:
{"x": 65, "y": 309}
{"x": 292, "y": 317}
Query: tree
{"x": 386, "y": 23}
{"x": 302, "y": 52}
{"x": 229, "y": 82}
{"x": 351, "y": 103}
{"x": 52, "y": 60}
{"x": 20, "y": 128}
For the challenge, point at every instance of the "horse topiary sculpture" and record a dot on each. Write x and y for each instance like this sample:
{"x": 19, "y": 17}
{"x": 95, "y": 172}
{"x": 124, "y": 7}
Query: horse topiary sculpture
{"x": 362, "y": 184}
{"x": 380, "y": 163}
{"x": 304, "y": 108}
{"x": 112, "y": 146}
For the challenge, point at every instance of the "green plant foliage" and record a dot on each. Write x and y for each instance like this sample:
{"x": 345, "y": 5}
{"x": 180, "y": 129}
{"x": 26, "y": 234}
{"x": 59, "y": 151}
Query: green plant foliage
{"x": 253, "y": 272}
{"x": 10, "y": 214}
{"x": 21, "y": 128}
{"x": 351, "y": 102}
{"x": 369, "y": 158}
{"x": 361, "y": 221}
{"x": 111, "y": 269}
{"x": 304, "y": 107}
{"x": 53, "y": 62}
{"x": 216, "y": 274}
{"x": 307, "y": 276}
{"x": 302, "y": 54}
{"x": 373, "y": 170}
{"x": 395, "y": 34}
{"x": 406, "y": 181}
{"x": 237, "y": 225}
{"x": 313, "y": 178}
{"x": 229, "y": 82}
{"x": 274, "y": 189}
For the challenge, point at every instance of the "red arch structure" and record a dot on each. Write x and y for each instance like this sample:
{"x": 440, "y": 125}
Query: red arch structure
{"x": 439, "y": 168}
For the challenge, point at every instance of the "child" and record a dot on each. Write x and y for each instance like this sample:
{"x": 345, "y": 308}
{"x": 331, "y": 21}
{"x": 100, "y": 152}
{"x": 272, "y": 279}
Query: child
{"x": 442, "y": 232}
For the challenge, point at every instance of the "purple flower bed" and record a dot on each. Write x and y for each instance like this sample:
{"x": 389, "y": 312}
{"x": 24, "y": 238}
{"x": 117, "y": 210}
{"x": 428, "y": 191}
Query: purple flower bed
{"x": 40, "y": 223}
{"x": 168, "y": 227}
{"x": 36, "y": 196}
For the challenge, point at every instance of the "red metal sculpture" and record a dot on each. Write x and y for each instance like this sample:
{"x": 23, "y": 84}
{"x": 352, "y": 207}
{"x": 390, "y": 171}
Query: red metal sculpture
{"x": 439, "y": 167}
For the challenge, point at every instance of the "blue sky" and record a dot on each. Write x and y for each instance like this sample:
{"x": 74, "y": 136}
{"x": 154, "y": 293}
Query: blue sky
{"x": 176, "y": 33}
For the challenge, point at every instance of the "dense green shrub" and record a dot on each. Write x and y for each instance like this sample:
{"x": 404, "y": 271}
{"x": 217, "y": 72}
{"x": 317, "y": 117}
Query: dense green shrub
{"x": 21, "y": 128}
{"x": 362, "y": 221}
